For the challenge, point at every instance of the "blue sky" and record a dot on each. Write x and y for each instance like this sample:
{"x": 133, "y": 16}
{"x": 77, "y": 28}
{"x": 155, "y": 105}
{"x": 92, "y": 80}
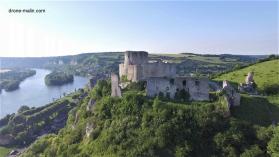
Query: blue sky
{"x": 237, "y": 27}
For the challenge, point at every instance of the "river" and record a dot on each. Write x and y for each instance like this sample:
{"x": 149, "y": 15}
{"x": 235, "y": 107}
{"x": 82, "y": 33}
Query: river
{"x": 33, "y": 92}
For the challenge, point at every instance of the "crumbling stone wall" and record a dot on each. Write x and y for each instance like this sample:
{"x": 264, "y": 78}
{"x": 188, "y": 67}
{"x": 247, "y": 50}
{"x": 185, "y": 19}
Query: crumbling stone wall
{"x": 198, "y": 88}
{"x": 232, "y": 96}
{"x": 159, "y": 69}
{"x": 115, "y": 89}
{"x": 136, "y": 67}
{"x": 160, "y": 77}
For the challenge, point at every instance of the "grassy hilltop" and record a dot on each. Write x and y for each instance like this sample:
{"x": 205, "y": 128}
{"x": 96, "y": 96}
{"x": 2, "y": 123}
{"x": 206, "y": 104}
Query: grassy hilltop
{"x": 264, "y": 109}
{"x": 265, "y": 74}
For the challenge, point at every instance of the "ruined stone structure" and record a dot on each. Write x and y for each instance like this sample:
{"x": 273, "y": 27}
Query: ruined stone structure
{"x": 136, "y": 67}
{"x": 249, "y": 86}
{"x": 197, "y": 88}
{"x": 115, "y": 89}
{"x": 231, "y": 95}
{"x": 160, "y": 77}
{"x": 249, "y": 78}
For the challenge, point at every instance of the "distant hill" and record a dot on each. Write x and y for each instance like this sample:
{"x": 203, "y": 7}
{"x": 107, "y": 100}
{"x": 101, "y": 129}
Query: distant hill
{"x": 106, "y": 62}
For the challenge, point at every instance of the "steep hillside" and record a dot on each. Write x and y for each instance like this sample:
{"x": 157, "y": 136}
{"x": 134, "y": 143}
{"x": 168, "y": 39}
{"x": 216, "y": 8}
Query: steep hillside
{"x": 265, "y": 74}
{"x": 137, "y": 126}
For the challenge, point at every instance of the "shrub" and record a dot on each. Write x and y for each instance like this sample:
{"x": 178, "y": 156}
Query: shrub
{"x": 101, "y": 89}
{"x": 182, "y": 95}
{"x": 271, "y": 89}
{"x": 124, "y": 78}
{"x": 140, "y": 86}
{"x": 23, "y": 108}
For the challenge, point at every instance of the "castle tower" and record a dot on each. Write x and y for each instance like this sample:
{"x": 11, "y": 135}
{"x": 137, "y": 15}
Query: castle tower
{"x": 135, "y": 57}
{"x": 131, "y": 68}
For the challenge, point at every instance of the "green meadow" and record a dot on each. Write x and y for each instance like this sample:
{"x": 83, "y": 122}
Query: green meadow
{"x": 261, "y": 110}
{"x": 4, "y": 151}
{"x": 265, "y": 74}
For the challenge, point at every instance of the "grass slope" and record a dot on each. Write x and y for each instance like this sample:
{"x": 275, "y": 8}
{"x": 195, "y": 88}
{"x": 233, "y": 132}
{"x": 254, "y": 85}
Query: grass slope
{"x": 4, "y": 151}
{"x": 258, "y": 110}
{"x": 265, "y": 73}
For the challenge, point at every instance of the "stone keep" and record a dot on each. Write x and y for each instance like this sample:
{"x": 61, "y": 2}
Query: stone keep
{"x": 115, "y": 89}
{"x": 198, "y": 88}
{"x": 136, "y": 67}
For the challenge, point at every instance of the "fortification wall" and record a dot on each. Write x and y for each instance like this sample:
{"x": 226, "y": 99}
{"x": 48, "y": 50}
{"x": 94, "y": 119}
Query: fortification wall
{"x": 136, "y": 67}
{"x": 155, "y": 85}
{"x": 197, "y": 88}
{"x": 135, "y": 57}
{"x": 133, "y": 72}
{"x": 159, "y": 70}
{"x": 115, "y": 89}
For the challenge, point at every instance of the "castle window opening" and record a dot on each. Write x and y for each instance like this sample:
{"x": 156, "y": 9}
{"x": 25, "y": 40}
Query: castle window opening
{"x": 184, "y": 82}
{"x": 168, "y": 95}
{"x": 197, "y": 82}
{"x": 172, "y": 81}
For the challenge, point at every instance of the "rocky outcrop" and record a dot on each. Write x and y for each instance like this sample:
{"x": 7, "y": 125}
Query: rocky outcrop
{"x": 90, "y": 104}
{"x": 89, "y": 128}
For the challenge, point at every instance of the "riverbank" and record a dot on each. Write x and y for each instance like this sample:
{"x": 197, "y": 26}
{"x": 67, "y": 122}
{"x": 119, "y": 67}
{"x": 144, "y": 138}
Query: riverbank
{"x": 23, "y": 127}
{"x": 10, "y": 79}
{"x": 33, "y": 92}
{"x": 58, "y": 78}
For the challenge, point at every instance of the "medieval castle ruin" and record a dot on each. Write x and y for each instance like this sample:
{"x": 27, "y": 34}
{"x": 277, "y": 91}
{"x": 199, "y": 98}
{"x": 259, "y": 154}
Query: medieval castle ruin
{"x": 161, "y": 77}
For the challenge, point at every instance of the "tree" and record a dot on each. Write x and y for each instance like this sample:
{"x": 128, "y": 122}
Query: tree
{"x": 23, "y": 108}
{"x": 254, "y": 151}
{"x": 273, "y": 145}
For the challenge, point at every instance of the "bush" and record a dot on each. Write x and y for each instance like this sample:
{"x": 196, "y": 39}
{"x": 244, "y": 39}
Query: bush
{"x": 124, "y": 78}
{"x": 139, "y": 86}
{"x": 182, "y": 95}
{"x": 254, "y": 151}
{"x": 23, "y": 108}
{"x": 271, "y": 89}
{"x": 101, "y": 89}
